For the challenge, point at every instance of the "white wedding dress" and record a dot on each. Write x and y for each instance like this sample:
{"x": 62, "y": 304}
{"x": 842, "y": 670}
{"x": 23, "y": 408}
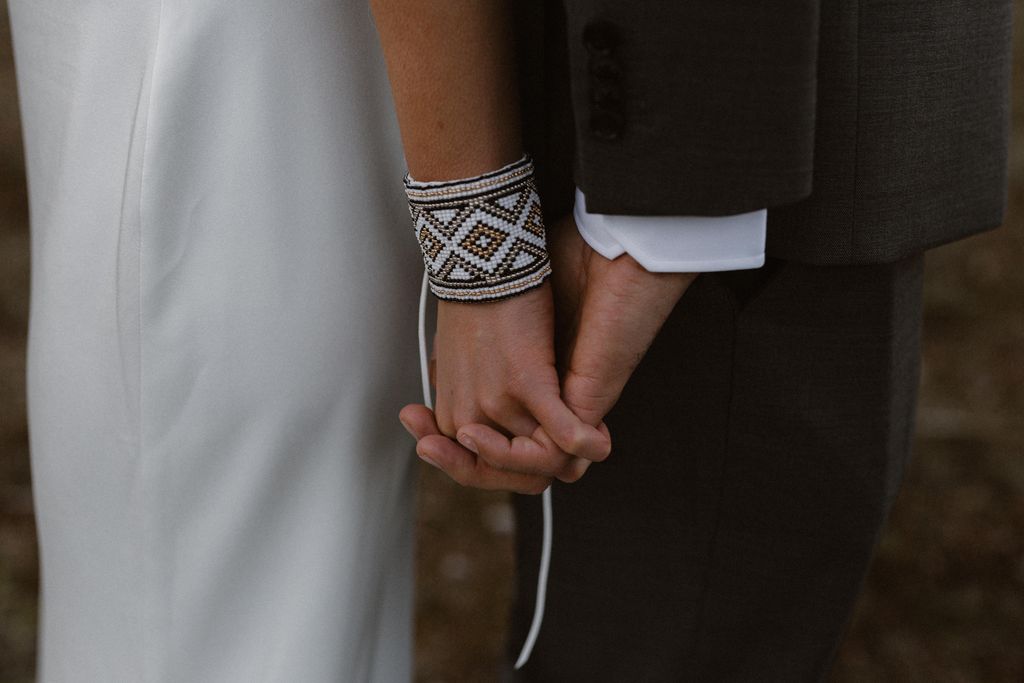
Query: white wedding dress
{"x": 223, "y": 329}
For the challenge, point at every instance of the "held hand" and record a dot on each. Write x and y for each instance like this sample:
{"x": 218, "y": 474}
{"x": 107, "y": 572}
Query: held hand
{"x": 495, "y": 366}
{"x": 609, "y": 312}
{"x": 462, "y": 465}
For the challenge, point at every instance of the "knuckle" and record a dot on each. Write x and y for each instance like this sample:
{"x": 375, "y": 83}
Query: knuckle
{"x": 586, "y": 391}
{"x": 492, "y": 405}
{"x": 446, "y": 425}
{"x": 461, "y": 418}
{"x": 578, "y": 442}
{"x": 582, "y": 377}
{"x": 590, "y": 448}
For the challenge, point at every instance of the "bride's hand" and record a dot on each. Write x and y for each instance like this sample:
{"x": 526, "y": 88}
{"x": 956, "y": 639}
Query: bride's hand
{"x": 609, "y": 313}
{"x": 495, "y": 365}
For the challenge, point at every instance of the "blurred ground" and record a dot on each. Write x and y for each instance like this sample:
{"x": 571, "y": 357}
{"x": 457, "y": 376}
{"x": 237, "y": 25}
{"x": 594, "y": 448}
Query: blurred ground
{"x": 945, "y": 599}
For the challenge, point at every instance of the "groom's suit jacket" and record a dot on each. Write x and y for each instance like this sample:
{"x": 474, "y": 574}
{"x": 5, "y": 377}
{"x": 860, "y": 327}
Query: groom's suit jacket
{"x": 870, "y": 130}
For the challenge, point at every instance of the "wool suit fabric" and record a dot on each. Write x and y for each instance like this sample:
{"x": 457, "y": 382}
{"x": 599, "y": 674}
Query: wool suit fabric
{"x": 759, "y": 445}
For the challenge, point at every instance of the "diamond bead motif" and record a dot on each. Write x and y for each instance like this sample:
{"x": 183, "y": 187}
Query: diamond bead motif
{"x": 482, "y": 238}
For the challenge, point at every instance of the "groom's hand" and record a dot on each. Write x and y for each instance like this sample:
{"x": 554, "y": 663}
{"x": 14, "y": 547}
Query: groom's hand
{"x": 608, "y": 313}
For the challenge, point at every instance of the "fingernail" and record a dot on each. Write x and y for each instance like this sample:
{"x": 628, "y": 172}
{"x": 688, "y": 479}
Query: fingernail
{"x": 407, "y": 428}
{"x": 467, "y": 442}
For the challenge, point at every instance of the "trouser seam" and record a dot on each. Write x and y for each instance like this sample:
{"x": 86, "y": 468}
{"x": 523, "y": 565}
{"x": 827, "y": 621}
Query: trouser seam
{"x": 690, "y": 663}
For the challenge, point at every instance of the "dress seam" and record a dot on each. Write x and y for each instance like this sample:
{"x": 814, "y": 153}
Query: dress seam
{"x": 155, "y": 633}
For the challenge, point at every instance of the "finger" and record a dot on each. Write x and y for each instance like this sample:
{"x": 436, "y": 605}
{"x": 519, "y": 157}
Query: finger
{"x": 603, "y": 357}
{"x": 570, "y": 433}
{"x": 520, "y": 454}
{"x": 507, "y": 416}
{"x": 418, "y": 420}
{"x": 432, "y": 363}
{"x": 575, "y": 471}
{"x": 468, "y": 470}
{"x": 446, "y": 400}
{"x": 617, "y": 325}
{"x": 576, "y": 467}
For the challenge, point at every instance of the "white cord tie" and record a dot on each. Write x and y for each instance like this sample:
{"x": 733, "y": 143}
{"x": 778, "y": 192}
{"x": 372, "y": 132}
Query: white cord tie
{"x": 545, "y": 556}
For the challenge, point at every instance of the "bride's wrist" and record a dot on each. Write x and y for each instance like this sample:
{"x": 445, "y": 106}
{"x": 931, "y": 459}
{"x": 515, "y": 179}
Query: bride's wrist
{"x": 482, "y": 237}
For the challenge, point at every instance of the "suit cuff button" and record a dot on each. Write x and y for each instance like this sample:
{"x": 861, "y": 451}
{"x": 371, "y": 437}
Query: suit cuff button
{"x": 606, "y": 125}
{"x": 600, "y": 37}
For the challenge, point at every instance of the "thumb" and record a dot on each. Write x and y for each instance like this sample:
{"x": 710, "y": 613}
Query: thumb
{"x": 605, "y": 351}
{"x": 590, "y": 396}
{"x": 621, "y": 313}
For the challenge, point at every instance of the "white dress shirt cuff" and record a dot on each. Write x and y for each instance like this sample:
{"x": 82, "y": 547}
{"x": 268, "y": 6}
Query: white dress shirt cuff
{"x": 677, "y": 244}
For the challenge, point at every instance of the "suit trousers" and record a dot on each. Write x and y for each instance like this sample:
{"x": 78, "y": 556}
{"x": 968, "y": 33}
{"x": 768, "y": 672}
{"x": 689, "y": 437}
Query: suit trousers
{"x": 756, "y": 453}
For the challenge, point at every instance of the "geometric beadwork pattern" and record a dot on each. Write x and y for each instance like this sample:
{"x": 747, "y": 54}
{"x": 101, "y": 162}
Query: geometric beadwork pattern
{"x": 482, "y": 238}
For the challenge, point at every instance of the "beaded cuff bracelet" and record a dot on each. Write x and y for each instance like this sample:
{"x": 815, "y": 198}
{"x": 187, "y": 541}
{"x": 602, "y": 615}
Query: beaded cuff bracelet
{"x": 482, "y": 238}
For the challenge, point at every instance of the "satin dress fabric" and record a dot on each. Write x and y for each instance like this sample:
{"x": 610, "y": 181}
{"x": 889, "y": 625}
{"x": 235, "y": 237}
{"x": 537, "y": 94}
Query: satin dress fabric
{"x": 222, "y": 332}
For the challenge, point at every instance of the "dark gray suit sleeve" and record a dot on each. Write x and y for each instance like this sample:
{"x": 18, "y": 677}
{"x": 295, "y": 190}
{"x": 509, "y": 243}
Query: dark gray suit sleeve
{"x": 693, "y": 107}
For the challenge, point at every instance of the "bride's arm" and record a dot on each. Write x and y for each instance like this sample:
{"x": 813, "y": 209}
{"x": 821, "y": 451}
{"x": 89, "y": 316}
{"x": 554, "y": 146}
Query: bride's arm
{"x": 452, "y": 75}
{"x": 453, "y": 78}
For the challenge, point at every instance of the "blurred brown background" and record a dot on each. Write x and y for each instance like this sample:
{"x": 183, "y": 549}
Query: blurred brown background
{"x": 945, "y": 599}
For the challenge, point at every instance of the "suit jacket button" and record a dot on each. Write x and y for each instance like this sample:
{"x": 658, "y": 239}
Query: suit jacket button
{"x": 604, "y": 69}
{"x": 600, "y": 37}
{"x": 604, "y": 94}
{"x": 606, "y": 125}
